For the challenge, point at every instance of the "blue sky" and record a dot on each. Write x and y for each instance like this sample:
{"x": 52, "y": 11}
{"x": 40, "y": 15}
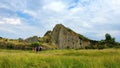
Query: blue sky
{"x": 92, "y": 18}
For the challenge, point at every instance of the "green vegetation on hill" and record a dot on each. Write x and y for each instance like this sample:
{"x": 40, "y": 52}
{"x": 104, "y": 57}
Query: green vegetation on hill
{"x": 80, "y": 36}
{"x": 106, "y": 58}
{"x": 83, "y": 37}
{"x": 109, "y": 42}
{"x": 24, "y": 44}
{"x": 20, "y": 43}
{"x": 13, "y": 44}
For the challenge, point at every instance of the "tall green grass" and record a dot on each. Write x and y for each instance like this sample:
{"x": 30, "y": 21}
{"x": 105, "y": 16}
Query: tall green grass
{"x": 107, "y": 58}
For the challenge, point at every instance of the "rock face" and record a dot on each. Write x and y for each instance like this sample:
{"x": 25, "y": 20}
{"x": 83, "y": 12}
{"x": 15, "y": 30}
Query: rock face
{"x": 64, "y": 37}
{"x": 32, "y": 39}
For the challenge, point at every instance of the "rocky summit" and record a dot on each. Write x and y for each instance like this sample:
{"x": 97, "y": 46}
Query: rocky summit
{"x": 64, "y": 37}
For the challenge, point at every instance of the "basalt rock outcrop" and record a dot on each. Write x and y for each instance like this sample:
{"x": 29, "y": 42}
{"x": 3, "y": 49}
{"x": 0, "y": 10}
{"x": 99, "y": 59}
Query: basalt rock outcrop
{"x": 64, "y": 37}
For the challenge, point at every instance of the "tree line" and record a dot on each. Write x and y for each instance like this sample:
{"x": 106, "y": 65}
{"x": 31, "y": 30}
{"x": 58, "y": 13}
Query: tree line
{"x": 109, "y": 42}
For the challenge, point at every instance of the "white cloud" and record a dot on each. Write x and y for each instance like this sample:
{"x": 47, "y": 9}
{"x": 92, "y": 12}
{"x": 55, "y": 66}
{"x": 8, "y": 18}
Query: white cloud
{"x": 1, "y": 22}
{"x": 4, "y": 29}
{"x": 55, "y": 6}
{"x": 31, "y": 13}
{"x": 76, "y": 10}
{"x": 13, "y": 21}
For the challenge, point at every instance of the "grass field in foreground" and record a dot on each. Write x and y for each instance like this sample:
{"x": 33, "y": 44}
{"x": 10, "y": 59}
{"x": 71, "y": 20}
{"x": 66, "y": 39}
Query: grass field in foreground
{"x": 107, "y": 58}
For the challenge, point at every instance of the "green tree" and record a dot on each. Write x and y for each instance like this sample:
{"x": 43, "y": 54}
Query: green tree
{"x": 108, "y": 37}
{"x": 36, "y": 44}
{"x": 20, "y": 39}
{"x": 109, "y": 41}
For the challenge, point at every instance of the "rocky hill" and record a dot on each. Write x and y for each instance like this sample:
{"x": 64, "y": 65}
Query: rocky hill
{"x": 32, "y": 39}
{"x": 64, "y": 37}
{"x": 60, "y": 37}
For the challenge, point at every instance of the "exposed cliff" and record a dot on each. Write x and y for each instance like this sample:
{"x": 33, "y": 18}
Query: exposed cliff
{"x": 64, "y": 37}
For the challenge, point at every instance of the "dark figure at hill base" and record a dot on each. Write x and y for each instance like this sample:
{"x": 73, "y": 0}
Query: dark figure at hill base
{"x": 36, "y": 49}
{"x": 40, "y": 48}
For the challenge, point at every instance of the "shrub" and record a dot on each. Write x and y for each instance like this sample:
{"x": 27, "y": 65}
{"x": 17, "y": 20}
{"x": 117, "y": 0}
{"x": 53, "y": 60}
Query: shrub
{"x": 101, "y": 46}
{"x": 9, "y": 46}
{"x": 36, "y": 44}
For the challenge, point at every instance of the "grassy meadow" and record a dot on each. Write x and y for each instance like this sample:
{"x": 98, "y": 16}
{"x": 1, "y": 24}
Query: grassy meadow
{"x": 106, "y": 58}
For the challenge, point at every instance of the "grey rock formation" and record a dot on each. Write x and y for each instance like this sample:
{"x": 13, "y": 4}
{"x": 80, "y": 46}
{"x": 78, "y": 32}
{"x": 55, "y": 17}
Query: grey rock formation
{"x": 64, "y": 37}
